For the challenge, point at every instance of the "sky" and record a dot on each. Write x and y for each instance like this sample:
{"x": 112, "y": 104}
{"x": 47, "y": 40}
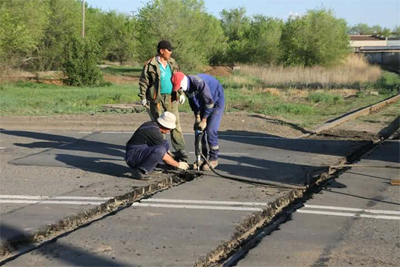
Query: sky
{"x": 385, "y": 13}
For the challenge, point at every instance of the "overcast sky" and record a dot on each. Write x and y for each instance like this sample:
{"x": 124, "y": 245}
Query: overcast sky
{"x": 385, "y": 13}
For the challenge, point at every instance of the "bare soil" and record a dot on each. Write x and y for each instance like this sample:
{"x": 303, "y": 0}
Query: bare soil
{"x": 238, "y": 123}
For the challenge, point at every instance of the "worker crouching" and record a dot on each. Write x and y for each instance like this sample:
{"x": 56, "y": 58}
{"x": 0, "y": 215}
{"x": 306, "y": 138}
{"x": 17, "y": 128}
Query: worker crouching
{"x": 207, "y": 101}
{"x": 147, "y": 147}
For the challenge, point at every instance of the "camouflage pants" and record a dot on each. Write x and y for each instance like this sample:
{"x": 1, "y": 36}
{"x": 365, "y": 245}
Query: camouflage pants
{"x": 177, "y": 140}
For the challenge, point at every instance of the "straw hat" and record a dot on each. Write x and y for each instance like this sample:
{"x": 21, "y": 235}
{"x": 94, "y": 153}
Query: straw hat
{"x": 167, "y": 120}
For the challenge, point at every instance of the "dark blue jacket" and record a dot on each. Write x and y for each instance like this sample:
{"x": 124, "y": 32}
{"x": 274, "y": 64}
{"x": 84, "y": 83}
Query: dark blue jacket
{"x": 205, "y": 93}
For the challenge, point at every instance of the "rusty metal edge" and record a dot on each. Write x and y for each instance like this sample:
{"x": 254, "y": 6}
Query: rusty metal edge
{"x": 365, "y": 111}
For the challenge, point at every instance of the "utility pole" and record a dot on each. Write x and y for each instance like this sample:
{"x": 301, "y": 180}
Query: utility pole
{"x": 83, "y": 18}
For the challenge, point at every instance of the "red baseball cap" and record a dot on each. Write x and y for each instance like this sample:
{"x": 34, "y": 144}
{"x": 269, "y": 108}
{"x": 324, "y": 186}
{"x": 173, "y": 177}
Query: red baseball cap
{"x": 176, "y": 80}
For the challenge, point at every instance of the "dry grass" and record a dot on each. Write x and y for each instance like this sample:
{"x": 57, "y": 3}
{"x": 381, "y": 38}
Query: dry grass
{"x": 354, "y": 69}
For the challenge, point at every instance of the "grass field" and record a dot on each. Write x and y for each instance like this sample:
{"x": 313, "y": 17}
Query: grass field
{"x": 262, "y": 90}
{"x": 307, "y": 107}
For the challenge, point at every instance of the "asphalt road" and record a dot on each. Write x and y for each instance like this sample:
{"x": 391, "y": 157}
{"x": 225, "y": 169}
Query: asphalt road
{"x": 355, "y": 221}
{"x": 54, "y": 175}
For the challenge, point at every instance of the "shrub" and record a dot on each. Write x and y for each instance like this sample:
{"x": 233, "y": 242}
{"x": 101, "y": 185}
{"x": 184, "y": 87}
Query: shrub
{"x": 388, "y": 83}
{"x": 325, "y": 98}
{"x": 288, "y": 108}
{"x": 80, "y": 65}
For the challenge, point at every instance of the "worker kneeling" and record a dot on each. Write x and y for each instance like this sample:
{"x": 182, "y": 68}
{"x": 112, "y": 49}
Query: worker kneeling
{"x": 147, "y": 147}
{"x": 207, "y": 101}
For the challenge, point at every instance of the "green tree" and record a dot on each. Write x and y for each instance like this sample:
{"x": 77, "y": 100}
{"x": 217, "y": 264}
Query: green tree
{"x": 396, "y": 30}
{"x": 118, "y": 38}
{"x": 361, "y": 29}
{"x": 22, "y": 28}
{"x": 65, "y": 23}
{"x": 80, "y": 62}
{"x": 194, "y": 33}
{"x": 385, "y": 32}
{"x": 317, "y": 38}
{"x": 376, "y": 29}
{"x": 236, "y": 26}
{"x": 264, "y": 38}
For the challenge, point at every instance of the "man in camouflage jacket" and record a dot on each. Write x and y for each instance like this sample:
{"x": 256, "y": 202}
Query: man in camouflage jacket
{"x": 155, "y": 90}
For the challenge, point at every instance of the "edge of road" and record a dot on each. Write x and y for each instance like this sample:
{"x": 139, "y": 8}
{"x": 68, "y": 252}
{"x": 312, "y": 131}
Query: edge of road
{"x": 26, "y": 242}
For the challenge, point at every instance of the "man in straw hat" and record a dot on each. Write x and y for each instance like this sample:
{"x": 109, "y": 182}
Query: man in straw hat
{"x": 147, "y": 147}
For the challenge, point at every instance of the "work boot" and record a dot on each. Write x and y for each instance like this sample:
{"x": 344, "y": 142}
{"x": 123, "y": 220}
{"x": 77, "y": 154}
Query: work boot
{"x": 140, "y": 175}
{"x": 213, "y": 163}
{"x": 181, "y": 155}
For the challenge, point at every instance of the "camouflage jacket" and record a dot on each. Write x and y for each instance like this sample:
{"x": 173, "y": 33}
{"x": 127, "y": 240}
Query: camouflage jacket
{"x": 149, "y": 83}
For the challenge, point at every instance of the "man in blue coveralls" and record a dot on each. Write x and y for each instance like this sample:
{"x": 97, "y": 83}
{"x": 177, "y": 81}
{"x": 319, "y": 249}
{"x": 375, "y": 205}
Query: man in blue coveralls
{"x": 207, "y": 101}
{"x": 147, "y": 147}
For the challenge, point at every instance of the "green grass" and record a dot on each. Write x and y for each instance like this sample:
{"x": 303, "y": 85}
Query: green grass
{"x": 326, "y": 98}
{"x": 316, "y": 108}
{"x": 26, "y": 98}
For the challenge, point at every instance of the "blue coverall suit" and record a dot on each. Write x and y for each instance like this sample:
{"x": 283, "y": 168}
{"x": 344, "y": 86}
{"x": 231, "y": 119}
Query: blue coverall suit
{"x": 206, "y": 98}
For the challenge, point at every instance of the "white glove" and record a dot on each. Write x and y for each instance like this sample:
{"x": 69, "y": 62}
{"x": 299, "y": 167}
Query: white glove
{"x": 182, "y": 99}
{"x": 183, "y": 165}
{"x": 143, "y": 102}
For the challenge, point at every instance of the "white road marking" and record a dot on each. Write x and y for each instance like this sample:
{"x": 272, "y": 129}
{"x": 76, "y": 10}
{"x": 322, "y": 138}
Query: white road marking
{"x": 138, "y": 204}
{"x": 187, "y": 201}
{"x": 346, "y": 214}
{"x": 353, "y": 209}
{"x": 62, "y": 202}
{"x": 202, "y": 204}
{"x": 58, "y": 197}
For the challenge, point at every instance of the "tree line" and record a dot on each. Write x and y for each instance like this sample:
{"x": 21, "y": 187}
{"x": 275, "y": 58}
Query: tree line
{"x": 46, "y": 35}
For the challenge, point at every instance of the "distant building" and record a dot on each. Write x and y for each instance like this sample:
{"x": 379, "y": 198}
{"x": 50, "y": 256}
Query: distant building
{"x": 378, "y": 50}
{"x": 361, "y": 43}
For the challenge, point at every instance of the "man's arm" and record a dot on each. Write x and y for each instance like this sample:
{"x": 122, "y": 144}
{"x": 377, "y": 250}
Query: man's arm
{"x": 144, "y": 82}
{"x": 205, "y": 94}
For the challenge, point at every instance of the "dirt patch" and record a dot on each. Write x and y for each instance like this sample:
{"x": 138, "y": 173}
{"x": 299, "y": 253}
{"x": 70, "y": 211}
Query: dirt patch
{"x": 236, "y": 123}
{"x": 56, "y": 77}
{"x": 221, "y": 71}
{"x": 121, "y": 79}
{"x": 239, "y": 123}
{"x": 349, "y": 134}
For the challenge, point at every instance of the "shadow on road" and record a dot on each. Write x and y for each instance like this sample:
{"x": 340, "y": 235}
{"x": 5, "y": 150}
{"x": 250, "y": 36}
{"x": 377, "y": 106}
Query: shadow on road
{"x": 68, "y": 143}
{"x": 269, "y": 157}
{"x": 57, "y": 251}
{"x": 95, "y": 164}
{"x": 316, "y": 146}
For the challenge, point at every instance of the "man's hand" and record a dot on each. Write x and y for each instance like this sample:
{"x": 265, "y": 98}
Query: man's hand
{"x": 203, "y": 124}
{"x": 196, "y": 123}
{"x": 183, "y": 165}
{"x": 143, "y": 102}
{"x": 182, "y": 99}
